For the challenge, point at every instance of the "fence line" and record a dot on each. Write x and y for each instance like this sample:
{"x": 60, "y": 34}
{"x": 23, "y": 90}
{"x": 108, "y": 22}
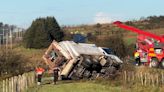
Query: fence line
{"x": 18, "y": 83}
{"x": 22, "y": 82}
{"x": 144, "y": 79}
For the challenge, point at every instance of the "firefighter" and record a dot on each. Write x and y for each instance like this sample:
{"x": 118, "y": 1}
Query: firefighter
{"x": 39, "y": 73}
{"x": 137, "y": 58}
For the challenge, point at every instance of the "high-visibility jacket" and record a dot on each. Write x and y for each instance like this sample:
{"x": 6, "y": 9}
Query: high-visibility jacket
{"x": 39, "y": 70}
{"x": 136, "y": 54}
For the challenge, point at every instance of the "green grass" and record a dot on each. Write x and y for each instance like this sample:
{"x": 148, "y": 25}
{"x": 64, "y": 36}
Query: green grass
{"x": 75, "y": 87}
{"x": 129, "y": 41}
{"x": 92, "y": 86}
{"x": 98, "y": 85}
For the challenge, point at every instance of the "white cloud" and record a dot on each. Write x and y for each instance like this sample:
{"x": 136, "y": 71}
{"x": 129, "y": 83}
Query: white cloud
{"x": 102, "y": 18}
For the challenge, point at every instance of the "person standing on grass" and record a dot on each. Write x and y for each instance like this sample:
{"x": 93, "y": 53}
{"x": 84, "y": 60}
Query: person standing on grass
{"x": 39, "y": 73}
{"x": 55, "y": 75}
{"x": 137, "y": 58}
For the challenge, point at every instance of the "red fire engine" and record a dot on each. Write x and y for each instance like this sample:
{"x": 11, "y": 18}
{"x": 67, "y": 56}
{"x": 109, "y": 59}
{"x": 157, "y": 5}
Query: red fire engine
{"x": 149, "y": 46}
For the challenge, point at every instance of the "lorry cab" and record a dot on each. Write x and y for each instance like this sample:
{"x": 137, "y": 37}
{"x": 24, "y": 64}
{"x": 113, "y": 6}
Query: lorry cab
{"x": 107, "y": 51}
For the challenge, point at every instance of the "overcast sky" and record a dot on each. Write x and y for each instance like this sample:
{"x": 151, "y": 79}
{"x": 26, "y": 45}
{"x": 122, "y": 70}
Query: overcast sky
{"x": 75, "y": 12}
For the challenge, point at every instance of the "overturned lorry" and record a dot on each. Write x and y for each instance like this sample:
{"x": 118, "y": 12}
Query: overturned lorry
{"x": 81, "y": 60}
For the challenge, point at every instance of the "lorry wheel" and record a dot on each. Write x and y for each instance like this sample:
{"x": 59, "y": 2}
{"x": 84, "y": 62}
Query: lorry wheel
{"x": 154, "y": 62}
{"x": 96, "y": 66}
{"x": 87, "y": 63}
{"x": 162, "y": 64}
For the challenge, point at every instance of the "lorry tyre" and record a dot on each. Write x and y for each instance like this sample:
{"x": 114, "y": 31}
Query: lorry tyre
{"x": 162, "y": 64}
{"x": 87, "y": 63}
{"x": 154, "y": 62}
{"x": 96, "y": 66}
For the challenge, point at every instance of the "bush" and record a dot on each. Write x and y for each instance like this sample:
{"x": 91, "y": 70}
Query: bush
{"x": 11, "y": 63}
{"x": 131, "y": 49}
{"x": 116, "y": 43}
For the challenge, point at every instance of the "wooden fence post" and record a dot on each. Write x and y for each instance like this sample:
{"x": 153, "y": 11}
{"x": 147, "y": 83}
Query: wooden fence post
{"x": 16, "y": 84}
{"x": 33, "y": 78}
{"x": 145, "y": 79}
{"x": 157, "y": 82}
{"x": 128, "y": 75}
{"x": 162, "y": 79}
{"x": 3, "y": 88}
{"x": 138, "y": 77}
{"x": 19, "y": 83}
{"x": 21, "y": 86}
{"x": 6, "y": 84}
{"x": 25, "y": 81}
{"x": 9, "y": 83}
{"x": 149, "y": 79}
{"x": 125, "y": 76}
{"x": 133, "y": 76}
{"x": 152, "y": 80}
{"x": 141, "y": 79}
{"x": 12, "y": 84}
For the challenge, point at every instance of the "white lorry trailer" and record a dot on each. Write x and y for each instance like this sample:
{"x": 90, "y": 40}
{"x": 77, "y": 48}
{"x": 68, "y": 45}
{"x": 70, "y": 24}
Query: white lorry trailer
{"x": 81, "y": 60}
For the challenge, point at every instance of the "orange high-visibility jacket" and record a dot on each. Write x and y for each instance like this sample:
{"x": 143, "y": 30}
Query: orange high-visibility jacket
{"x": 39, "y": 70}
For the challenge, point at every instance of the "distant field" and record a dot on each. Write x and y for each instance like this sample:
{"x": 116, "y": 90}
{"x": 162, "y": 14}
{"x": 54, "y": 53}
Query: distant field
{"x": 130, "y": 37}
{"x": 33, "y": 55}
{"x": 159, "y": 31}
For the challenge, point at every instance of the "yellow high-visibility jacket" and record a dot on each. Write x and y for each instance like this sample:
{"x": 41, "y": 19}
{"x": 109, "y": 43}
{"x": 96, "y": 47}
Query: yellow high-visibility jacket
{"x": 136, "y": 54}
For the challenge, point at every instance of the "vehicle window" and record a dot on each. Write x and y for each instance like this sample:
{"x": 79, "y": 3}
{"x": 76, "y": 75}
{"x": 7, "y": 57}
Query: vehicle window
{"x": 158, "y": 51}
{"x": 53, "y": 55}
{"x": 108, "y": 51}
